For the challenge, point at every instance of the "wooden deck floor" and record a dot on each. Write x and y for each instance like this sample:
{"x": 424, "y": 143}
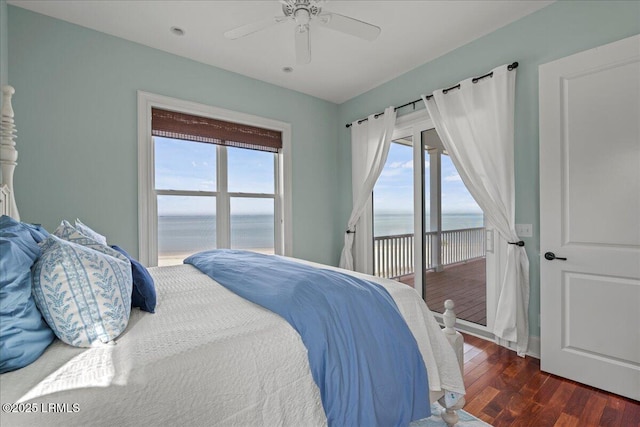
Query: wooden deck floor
{"x": 464, "y": 283}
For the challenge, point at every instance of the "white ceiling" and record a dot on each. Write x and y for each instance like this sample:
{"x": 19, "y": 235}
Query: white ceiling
{"x": 342, "y": 66}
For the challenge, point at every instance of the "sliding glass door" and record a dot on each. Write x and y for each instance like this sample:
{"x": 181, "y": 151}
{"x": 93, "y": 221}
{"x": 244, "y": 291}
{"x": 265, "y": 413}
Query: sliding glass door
{"x": 455, "y": 266}
{"x": 428, "y": 232}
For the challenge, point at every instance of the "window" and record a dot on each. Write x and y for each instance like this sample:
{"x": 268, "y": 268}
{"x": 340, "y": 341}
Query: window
{"x": 209, "y": 178}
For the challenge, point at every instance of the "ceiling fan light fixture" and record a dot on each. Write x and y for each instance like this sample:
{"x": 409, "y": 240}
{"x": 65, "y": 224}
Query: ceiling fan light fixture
{"x": 302, "y": 16}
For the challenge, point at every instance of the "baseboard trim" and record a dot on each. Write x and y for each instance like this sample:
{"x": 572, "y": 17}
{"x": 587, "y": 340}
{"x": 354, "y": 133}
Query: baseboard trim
{"x": 534, "y": 347}
{"x": 532, "y": 351}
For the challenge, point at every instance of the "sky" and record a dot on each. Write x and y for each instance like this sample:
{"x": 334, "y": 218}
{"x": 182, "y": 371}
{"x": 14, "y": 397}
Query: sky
{"x": 393, "y": 192}
{"x": 185, "y": 165}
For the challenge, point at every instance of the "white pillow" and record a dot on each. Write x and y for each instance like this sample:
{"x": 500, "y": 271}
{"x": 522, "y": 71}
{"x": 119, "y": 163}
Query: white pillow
{"x": 66, "y": 231}
{"x": 87, "y": 231}
{"x": 82, "y": 291}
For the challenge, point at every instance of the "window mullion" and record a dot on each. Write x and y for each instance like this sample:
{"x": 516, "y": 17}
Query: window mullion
{"x": 278, "y": 240}
{"x": 435, "y": 181}
{"x": 186, "y": 193}
{"x": 418, "y": 208}
{"x": 223, "y": 204}
{"x": 253, "y": 195}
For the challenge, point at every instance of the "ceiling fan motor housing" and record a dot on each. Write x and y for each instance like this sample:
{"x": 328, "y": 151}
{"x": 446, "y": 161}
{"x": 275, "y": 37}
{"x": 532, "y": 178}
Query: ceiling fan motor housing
{"x": 301, "y": 10}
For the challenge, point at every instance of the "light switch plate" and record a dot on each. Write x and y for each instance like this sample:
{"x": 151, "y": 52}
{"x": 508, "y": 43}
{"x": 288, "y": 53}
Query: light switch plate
{"x": 524, "y": 230}
{"x": 489, "y": 236}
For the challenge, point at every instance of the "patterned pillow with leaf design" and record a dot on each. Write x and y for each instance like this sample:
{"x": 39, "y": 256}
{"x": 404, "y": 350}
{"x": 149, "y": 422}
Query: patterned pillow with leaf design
{"x": 79, "y": 235}
{"x": 82, "y": 289}
{"x": 68, "y": 232}
{"x": 89, "y": 232}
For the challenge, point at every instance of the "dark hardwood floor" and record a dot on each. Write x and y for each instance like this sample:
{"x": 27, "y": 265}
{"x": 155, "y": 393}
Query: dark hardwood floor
{"x": 506, "y": 390}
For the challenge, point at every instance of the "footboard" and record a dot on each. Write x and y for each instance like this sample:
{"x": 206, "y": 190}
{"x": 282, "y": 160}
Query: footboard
{"x": 457, "y": 342}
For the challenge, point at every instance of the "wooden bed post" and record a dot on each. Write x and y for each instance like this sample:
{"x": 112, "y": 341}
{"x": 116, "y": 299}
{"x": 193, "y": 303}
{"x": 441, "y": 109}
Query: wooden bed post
{"x": 456, "y": 340}
{"x": 8, "y": 152}
{"x": 454, "y": 337}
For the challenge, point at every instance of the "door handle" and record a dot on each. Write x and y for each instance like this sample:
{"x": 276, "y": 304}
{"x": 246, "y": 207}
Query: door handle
{"x": 551, "y": 256}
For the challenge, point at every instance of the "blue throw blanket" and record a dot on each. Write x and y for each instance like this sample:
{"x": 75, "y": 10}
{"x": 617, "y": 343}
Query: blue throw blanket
{"x": 363, "y": 356}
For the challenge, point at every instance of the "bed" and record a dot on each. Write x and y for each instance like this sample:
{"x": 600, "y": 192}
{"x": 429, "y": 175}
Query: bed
{"x": 207, "y": 356}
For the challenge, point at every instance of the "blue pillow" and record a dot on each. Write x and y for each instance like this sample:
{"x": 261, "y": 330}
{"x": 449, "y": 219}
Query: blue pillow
{"x": 37, "y": 232}
{"x": 144, "y": 290}
{"x": 24, "y": 335}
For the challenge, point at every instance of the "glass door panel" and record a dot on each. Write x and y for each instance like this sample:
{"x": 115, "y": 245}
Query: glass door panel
{"x": 457, "y": 268}
{"x": 453, "y": 246}
{"x": 393, "y": 215}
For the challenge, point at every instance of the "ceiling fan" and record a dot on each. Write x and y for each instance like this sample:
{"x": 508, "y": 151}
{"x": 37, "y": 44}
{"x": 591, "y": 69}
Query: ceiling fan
{"x": 303, "y": 13}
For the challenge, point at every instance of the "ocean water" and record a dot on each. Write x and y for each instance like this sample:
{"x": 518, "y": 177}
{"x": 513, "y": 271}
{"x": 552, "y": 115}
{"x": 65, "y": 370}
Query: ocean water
{"x": 389, "y": 224}
{"x": 188, "y": 234}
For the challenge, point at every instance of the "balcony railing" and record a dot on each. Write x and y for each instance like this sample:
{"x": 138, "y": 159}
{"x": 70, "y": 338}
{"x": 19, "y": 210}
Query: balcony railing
{"x": 393, "y": 255}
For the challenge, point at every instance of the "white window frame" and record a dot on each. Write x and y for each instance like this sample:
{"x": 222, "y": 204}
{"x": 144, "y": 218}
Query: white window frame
{"x": 147, "y": 196}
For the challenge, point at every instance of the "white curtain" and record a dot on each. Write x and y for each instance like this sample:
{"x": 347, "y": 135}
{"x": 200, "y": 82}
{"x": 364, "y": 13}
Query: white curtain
{"x": 370, "y": 142}
{"x": 475, "y": 124}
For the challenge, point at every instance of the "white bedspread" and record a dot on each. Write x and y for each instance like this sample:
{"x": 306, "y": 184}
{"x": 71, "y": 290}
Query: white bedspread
{"x": 206, "y": 357}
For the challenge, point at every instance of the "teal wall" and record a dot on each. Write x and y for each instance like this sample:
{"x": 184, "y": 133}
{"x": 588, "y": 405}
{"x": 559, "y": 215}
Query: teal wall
{"x": 556, "y": 31}
{"x": 4, "y": 43}
{"x": 76, "y": 115}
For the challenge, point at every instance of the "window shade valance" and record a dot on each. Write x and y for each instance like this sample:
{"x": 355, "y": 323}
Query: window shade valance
{"x": 172, "y": 124}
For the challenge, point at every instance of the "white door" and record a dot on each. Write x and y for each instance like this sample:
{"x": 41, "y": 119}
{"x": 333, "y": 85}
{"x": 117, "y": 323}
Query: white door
{"x": 590, "y": 215}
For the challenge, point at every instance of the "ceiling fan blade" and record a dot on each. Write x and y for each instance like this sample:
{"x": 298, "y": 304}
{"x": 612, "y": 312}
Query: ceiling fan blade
{"x": 244, "y": 30}
{"x": 349, "y": 25}
{"x": 303, "y": 49}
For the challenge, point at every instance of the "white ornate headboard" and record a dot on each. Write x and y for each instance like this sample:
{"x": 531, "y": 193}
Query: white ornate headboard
{"x": 8, "y": 155}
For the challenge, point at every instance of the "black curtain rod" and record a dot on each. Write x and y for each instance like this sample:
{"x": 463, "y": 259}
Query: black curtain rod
{"x": 474, "y": 80}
